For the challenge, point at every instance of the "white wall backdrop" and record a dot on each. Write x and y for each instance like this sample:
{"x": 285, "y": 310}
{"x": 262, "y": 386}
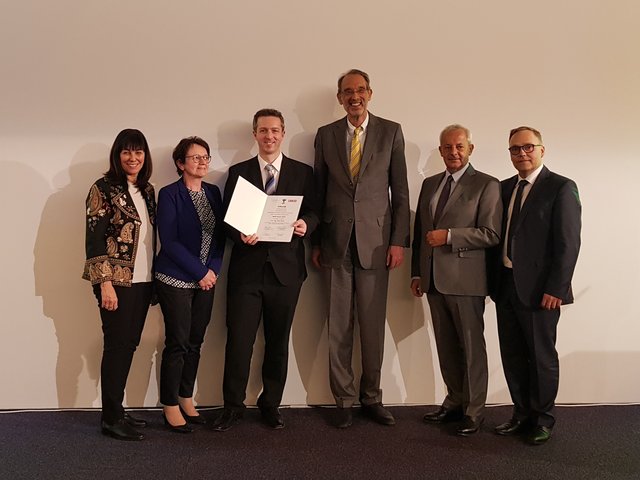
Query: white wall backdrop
{"x": 74, "y": 73}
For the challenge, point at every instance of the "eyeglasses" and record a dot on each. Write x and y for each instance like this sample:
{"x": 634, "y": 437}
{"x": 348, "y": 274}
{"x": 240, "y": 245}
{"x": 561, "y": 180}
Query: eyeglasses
{"x": 528, "y": 148}
{"x": 349, "y": 91}
{"x": 199, "y": 158}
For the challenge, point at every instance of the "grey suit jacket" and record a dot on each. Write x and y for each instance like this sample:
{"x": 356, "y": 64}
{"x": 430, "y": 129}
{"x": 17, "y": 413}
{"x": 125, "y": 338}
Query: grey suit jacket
{"x": 474, "y": 216}
{"x": 377, "y": 206}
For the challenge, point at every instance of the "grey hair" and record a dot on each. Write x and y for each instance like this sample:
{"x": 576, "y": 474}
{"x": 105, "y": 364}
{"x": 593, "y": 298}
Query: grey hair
{"x": 454, "y": 127}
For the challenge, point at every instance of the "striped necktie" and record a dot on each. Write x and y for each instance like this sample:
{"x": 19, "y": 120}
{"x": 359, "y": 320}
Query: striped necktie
{"x": 270, "y": 187}
{"x": 356, "y": 153}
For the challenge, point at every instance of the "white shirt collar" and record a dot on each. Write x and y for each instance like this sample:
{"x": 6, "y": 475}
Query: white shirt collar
{"x": 352, "y": 129}
{"x": 456, "y": 175}
{"x": 531, "y": 178}
{"x": 276, "y": 163}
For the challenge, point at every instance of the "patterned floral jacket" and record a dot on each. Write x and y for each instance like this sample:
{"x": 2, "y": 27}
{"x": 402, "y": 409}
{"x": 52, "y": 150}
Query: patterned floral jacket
{"x": 113, "y": 229}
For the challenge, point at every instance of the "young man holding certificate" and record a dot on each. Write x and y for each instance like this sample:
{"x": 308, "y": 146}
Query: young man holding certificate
{"x": 264, "y": 278}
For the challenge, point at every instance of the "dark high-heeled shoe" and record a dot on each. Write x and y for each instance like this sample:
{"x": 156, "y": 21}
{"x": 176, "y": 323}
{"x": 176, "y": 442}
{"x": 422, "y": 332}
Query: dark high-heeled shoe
{"x": 194, "y": 419}
{"x": 177, "y": 428}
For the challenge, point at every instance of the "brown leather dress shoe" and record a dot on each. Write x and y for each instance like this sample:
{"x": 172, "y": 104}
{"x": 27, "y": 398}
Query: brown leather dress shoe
{"x": 378, "y": 413}
{"x": 469, "y": 426}
{"x": 443, "y": 415}
{"x": 539, "y": 435}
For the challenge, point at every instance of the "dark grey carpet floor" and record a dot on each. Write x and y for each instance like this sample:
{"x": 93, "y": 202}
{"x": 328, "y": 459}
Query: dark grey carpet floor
{"x": 595, "y": 443}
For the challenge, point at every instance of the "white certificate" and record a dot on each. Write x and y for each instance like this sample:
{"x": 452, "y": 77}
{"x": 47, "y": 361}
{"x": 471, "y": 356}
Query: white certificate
{"x": 271, "y": 217}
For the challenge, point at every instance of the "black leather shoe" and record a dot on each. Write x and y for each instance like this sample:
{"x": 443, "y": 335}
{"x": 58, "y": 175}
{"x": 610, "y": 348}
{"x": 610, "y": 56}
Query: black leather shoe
{"x": 344, "y": 417}
{"x": 469, "y": 426}
{"x": 134, "y": 422}
{"x": 227, "y": 419}
{"x": 272, "y": 417}
{"x": 443, "y": 415}
{"x": 539, "y": 435}
{"x": 193, "y": 419}
{"x": 121, "y": 430}
{"x": 378, "y": 413}
{"x": 185, "y": 428}
{"x": 512, "y": 427}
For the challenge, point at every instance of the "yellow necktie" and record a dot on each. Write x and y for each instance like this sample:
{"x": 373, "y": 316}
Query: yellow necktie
{"x": 356, "y": 154}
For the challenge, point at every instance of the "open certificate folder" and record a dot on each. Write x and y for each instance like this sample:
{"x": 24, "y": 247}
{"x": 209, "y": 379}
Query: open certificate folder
{"x": 271, "y": 217}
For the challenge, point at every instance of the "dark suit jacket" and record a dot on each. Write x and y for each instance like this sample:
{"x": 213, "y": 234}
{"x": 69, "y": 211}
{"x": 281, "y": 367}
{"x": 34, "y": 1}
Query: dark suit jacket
{"x": 180, "y": 233}
{"x": 546, "y": 242}
{"x": 287, "y": 259}
{"x": 474, "y": 215}
{"x": 379, "y": 220}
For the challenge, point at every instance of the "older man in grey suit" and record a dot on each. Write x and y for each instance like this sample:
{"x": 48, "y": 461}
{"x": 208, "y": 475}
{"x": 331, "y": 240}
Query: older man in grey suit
{"x": 361, "y": 181}
{"x": 458, "y": 217}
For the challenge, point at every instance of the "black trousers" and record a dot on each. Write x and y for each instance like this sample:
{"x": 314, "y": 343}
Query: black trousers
{"x": 529, "y": 355}
{"x": 187, "y": 313}
{"x": 122, "y": 329}
{"x": 247, "y": 302}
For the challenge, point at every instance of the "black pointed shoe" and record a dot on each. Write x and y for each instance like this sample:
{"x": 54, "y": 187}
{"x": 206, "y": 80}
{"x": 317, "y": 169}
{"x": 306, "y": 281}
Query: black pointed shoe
{"x": 184, "y": 428}
{"x": 194, "y": 419}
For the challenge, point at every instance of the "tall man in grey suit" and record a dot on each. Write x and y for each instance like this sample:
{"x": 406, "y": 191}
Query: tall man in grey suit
{"x": 535, "y": 264}
{"x": 458, "y": 217}
{"x": 361, "y": 183}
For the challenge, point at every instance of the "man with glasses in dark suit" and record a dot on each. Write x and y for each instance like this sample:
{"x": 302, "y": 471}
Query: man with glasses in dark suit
{"x": 534, "y": 268}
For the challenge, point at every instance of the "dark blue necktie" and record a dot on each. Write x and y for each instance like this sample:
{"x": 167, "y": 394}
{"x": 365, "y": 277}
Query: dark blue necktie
{"x": 515, "y": 212}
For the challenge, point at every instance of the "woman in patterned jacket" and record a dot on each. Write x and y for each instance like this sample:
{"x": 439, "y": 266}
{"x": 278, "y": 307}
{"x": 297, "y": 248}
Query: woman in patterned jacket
{"x": 191, "y": 246}
{"x": 119, "y": 257}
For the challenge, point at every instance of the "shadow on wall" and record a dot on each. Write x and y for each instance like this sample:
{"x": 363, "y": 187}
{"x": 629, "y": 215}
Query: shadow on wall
{"x": 405, "y": 313}
{"x": 235, "y": 141}
{"x": 211, "y": 370}
{"x": 311, "y": 118}
{"x": 309, "y": 337}
{"x": 68, "y": 300}
{"x": 21, "y": 330}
